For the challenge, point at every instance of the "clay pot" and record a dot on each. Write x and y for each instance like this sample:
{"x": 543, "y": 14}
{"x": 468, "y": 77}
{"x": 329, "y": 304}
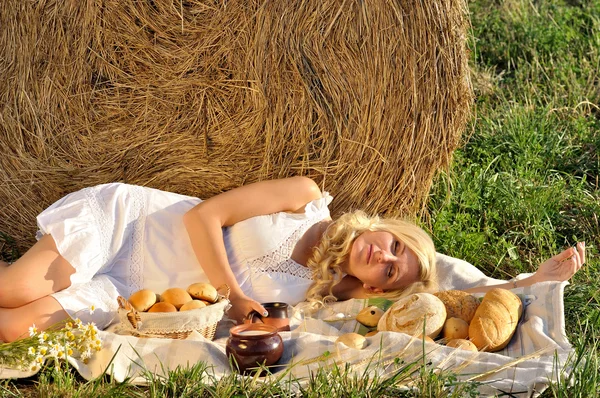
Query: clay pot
{"x": 254, "y": 344}
{"x": 278, "y": 316}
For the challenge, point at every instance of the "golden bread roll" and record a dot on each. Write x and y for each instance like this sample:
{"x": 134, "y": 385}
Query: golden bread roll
{"x": 192, "y": 305}
{"x": 353, "y": 340}
{"x": 426, "y": 338}
{"x": 163, "y": 306}
{"x": 203, "y": 291}
{"x": 411, "y": 313}
{"x": 455, "y": 328}
{"x": 459, "y": 304}
{"x": 371, "y": 333}
{"x": 176, "y": 296}
{"x": 495, "y": 320}
{"x": 462, "y": 344}
{"x": 370, "y": 316}
{"x": 143, "y": 299}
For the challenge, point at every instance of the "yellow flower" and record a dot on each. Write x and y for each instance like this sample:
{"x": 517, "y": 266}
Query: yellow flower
{"x": 33, "y": 330}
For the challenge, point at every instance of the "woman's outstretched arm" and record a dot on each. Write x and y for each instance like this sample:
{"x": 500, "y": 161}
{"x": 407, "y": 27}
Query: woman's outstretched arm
{"x": 558, "y": 268}
{"x": 205, "y": 220}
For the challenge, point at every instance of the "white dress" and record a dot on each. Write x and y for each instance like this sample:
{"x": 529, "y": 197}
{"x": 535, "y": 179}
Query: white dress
{"x": 121, "y": 238}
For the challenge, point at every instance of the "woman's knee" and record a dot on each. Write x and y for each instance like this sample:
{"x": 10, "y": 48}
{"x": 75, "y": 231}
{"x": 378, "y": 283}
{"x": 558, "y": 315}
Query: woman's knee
{"x": 11, "y": 328}
{"x": 15, "y": 293}
{"x": 43, "y": 313}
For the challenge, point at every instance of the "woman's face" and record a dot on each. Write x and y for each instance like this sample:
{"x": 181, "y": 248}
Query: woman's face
{"x": 382, "y": 262}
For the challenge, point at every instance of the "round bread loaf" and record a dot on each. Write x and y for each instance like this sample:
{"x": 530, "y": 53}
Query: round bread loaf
{"x": 143, "y": 299}
{"x": 495, "y": 320}
{"x": 370, "y": 316}
{"x": 462, "y": 344}
{"x": 163, "y": 306}
{"x": 176, "y": 296}
{"x": 414, "y": 312}
{"x": 192, "y": 305}
{"x": 459, "y": 304}
{"x": 455, "y": 328}
{"x": 353, "y": 340}
{"x": 203, "y": 291}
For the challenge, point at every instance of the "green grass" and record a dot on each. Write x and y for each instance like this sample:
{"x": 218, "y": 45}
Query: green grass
{"x": 524, "y": 186}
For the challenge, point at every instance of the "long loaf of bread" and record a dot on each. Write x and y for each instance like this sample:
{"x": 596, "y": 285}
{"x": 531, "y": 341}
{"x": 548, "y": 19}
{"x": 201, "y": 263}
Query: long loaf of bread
{"x": 495, "y": 320}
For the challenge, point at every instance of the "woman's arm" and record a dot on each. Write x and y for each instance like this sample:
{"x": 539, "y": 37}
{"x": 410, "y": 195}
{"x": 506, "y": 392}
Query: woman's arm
{"x": 204, "y": 222}
{"x": 559, "y": 268}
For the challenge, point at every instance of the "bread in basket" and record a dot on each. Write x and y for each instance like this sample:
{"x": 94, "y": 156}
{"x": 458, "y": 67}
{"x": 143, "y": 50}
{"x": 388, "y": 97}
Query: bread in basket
{"x": 174, "y": 325}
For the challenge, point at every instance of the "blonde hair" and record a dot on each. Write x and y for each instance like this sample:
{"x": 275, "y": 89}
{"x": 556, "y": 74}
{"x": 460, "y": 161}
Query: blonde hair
{"x": 334, "y": 248}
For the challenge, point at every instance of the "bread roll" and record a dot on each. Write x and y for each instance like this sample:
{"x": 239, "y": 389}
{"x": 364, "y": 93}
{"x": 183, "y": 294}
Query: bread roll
{"x": 455, "y": 328}
{"x": 370, "y": 316}
{"x": 163, "y": 306}
{"x": 495, "y": 320}
{"x": 459, "y": 304}
{"x": 426, "y": 338}
{"x": 203, "y": 291}
{"x": 353, "y": 340}
{"x": 193, "y": 305}
{"x": 143, "y": 299}
{"x": 462, "y": 344}
{"x": 409, "y": 315}
{"x": 176, "y": 296}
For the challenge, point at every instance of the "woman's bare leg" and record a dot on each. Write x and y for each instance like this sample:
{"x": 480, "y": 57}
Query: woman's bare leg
{"x": 39, "y": 272}
{"x": 44, "y": 313}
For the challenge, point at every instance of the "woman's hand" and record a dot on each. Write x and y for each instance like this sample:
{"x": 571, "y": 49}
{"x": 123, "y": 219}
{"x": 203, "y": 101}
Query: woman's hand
{"x": 243, "y": 305}
{"x": 562, "y": 266}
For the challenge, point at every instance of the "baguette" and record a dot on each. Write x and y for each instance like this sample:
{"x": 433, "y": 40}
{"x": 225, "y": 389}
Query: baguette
{"x": 495, "y": 320}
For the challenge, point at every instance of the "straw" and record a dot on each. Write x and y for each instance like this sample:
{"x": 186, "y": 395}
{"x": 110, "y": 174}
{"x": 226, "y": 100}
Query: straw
{"x": 370, "y": 98}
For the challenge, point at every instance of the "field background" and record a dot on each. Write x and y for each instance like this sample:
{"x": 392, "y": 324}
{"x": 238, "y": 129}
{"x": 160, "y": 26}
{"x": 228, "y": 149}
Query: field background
{"x": 524, "y": 185}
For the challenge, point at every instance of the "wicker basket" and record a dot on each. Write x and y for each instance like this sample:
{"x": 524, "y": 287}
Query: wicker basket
{"x": 174, "y": 325}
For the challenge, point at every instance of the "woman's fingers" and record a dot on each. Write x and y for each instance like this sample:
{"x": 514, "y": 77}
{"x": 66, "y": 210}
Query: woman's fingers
{"x": 564, "y": 255}
{"x": 259, "y": 308}
{"x": 581, "y": 251}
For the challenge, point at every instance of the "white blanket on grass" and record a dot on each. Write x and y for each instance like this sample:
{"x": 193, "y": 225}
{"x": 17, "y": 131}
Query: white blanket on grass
{"x": 523, "y": 368}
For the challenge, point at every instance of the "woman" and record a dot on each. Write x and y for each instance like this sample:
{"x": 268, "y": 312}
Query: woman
{"x": 267, "y": 241}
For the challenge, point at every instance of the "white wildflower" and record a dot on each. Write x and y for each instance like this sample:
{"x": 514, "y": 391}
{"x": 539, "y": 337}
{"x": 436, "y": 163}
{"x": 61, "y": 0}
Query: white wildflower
{"x": 86, "y": 354}
{"x": 43, "y": 337}
{"x": 33, "y": 330}
{"x": 92, "y": 309}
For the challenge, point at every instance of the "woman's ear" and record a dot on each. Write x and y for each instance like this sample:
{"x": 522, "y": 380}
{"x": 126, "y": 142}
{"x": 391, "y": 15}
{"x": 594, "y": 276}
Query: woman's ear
{"x": 372, "y": 289}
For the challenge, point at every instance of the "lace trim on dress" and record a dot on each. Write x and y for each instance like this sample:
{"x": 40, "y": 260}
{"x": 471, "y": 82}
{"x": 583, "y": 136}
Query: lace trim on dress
{"x": 137, "y": 212}
{"x": 96, "y": 206}
{"x": 279, "y": 259}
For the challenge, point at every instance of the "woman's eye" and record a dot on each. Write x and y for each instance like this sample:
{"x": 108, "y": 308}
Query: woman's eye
{"x": 390, "y": 271}
{"x": 395, "y": 247}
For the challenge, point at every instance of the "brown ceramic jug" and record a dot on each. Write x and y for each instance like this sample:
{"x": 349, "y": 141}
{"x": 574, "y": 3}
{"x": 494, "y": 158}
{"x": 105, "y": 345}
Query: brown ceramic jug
{"x": 278, "y": 316}
{"x": 254, "y": 344}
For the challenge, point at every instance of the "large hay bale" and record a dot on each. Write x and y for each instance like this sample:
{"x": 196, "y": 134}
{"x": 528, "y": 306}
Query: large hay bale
{"x": 368, "y": 97}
